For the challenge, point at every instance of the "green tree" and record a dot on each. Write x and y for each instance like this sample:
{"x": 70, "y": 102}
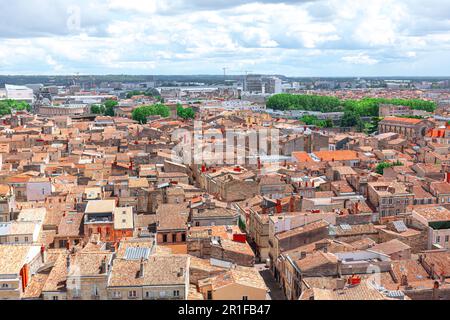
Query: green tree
{"x": 366, "y": 107}
{"x": 98, "y": 109}
{"x": 383, "y": 165}
{"x": 185, "y": 113}
{"x": 350, "y": 119}
{"x": 109, "y": 107}
{"x": 7, "y": 106}
{"x": 329, "y": 123}
{"x": 142, "y": 113}
{"x": 309, "y": 120}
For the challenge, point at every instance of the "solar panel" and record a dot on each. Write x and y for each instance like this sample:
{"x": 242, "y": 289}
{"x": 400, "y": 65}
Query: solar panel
{"x": 346, "y": 226}
{"x": 400, "y": 226}
{"x": 137, "y": 253}
{"x": 395, "y": 294}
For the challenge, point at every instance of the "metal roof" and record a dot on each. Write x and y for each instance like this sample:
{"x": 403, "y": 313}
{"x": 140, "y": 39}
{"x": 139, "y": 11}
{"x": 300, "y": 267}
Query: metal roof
{"x": 136, "y": 253}
{"x": 400, "y": 226}
{"x": 395, "y": 294}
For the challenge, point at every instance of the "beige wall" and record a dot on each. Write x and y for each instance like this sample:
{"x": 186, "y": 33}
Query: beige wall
{"x": 237, "y": 292}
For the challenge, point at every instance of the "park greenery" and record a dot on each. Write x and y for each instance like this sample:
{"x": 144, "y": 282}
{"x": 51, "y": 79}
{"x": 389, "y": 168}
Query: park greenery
{"x": 106, "y": 109}
{"x": 353, "y": 110}
{"x": 149, "y": 93}
{"x": 8, "y": 106}
{"x": 383, "y": 165}
{"x": 142, "y": 113}
{"x": 185, "y": 113}
{"x": 312, "y": 120}
{"x": 366, "y": 107}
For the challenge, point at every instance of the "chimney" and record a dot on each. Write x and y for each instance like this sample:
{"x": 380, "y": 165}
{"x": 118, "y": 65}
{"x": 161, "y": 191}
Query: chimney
{"x": 292, "y": 204}
{"x": 448, "y": 177}
{"x": 43, "y": 253}
{"x": 404, "y": 280}
{"x": 357, "y": 208}
{"x": 432, "y": 271}
{"x": 302, "y": 255}
{"x": 436, "y": 291}
{"x": 259, "y": 163}
{"x": 181, "y": 272}
{"x": 68, "y": 262}
{"x": 339, "y": 268}
{"x": 279, "y": 208}
{"x": 141, "y": 268}
{"x": 340, "y": 283}
{"x": 103, "y": 266}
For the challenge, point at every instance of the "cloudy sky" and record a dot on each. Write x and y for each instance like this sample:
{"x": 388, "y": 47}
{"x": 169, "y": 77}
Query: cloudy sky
{"x": 291, "y": 37}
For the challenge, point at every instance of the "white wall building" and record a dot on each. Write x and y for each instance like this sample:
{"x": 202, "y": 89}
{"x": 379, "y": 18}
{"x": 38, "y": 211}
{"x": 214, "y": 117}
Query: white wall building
{"x": 19, "y": 93}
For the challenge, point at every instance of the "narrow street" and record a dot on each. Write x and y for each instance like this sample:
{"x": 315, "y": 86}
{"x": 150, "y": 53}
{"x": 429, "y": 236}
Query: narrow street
{"x": 275, "y": 292}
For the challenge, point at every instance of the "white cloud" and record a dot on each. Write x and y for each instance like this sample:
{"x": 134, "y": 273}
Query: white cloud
{"x": 360, "y": 58}
{"x": 198, "y": 36}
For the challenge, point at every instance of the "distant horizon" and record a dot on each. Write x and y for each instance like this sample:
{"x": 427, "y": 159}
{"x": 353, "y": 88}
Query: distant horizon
{"x": 228, "y": 75}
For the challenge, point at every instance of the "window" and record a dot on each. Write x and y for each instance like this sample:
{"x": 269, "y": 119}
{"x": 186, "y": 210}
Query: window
{"x": 245, "y": 298}
{"x": 164, "y": 237}
{"x": 26, "y": 239}
{"x": 55, "y": 298}
{"x": 132, "y": 294}
{"x": 16, "y": 239}
{"x": 209, "y": 295}
{"x": 5, "y": 285}
{"x": 148, "y": 294}
{"x": 183, "y": 237}
{"x": 176, "y": 293}
{"x": 117, "y": 294}
{"x": 174, "y": 238}
{"x": 438, "y": 239}
{"x": 446, "y": 238}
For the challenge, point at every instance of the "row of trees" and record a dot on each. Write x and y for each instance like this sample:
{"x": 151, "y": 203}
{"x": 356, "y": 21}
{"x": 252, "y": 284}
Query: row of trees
{"x": 106, "y": 109}
{"x": 367, "y": 107}
{"x": 149, "y": 93}
{"x": 142, "y": 113}
{"x": 7, "y": 106}
{"x": 285, "y": 101}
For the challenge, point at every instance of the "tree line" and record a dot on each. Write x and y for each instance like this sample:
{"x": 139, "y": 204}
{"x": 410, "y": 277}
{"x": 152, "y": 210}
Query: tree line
{"x": 7, "y": 106}
{"x": 366, "y": 107}
{"x": 141, "y": 114}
